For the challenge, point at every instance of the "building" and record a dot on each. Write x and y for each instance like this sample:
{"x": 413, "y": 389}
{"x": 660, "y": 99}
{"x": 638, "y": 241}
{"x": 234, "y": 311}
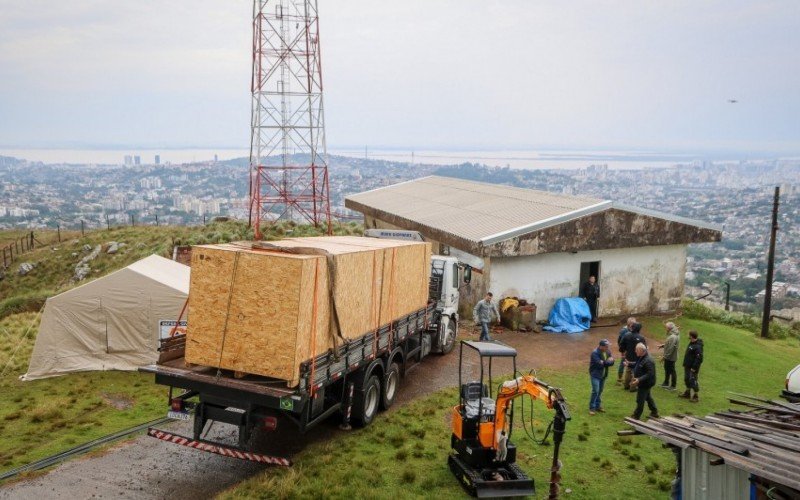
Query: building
{"x": 541, "y": 246}
{"x": 137, "y": 160}
{"x": 128, "y": 160}
{"x": 157, "y": 160}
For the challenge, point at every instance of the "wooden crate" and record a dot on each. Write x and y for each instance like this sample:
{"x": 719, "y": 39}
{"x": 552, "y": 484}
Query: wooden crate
{"x": 251, "y": 309}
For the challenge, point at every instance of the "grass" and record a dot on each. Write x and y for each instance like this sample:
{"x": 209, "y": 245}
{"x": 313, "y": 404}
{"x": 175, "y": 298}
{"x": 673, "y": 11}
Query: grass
{"x": 404, "y": 453}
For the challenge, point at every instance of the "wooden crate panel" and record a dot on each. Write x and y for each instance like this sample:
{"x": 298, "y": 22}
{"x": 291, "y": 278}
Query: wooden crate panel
{"x": 252, "y": 310}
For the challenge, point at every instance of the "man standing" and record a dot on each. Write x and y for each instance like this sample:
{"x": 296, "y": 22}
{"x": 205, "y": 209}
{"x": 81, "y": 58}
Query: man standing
{"x": 670, "y": 356}
{"x": 599, "y": 361}
{"x": 624, "y": 331}
{"x": 590, "y": 292}
{"x": 482, "y": 313}
{"x": 629, "y": 343}
{"x": 644, "y": 374}
{"x": 691, "y": 367}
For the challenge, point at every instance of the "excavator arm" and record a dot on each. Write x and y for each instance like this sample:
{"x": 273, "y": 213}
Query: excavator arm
{"x": 552, "y": 398}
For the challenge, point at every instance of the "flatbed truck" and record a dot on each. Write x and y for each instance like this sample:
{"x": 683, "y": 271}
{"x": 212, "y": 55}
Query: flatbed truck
{"x": 357, "y": 380}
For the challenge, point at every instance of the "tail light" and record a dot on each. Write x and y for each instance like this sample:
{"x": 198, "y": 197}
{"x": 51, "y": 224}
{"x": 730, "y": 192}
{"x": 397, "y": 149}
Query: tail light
{"x": 269, "y": 423}
{"x": 177, "y": 404}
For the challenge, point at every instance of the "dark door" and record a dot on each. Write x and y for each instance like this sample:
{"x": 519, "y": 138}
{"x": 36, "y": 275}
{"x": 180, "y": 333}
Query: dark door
{"x": 589, "y": 269}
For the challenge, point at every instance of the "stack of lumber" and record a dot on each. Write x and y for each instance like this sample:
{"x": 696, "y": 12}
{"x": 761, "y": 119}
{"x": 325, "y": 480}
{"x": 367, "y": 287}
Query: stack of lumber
{"x": 264, "y": 308}
{"x": 763, "y": 440}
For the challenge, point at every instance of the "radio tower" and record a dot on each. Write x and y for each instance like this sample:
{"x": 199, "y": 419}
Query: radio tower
{"x": 288, "y": 158}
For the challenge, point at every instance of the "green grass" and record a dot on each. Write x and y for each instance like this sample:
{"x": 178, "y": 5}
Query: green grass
{"x": 404, "y": 453}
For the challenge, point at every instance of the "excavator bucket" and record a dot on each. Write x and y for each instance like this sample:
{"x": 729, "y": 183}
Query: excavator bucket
{"x": 500, "y": 482}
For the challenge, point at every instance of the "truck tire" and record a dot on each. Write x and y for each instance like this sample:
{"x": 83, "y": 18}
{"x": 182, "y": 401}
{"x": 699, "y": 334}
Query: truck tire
{"x": 390, "y": 385}
{"x": 450, "y": 335}
{"x": 367, "y": 401}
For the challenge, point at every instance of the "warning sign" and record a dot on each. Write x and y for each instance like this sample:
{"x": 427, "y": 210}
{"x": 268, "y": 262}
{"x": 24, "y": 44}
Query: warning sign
{"x": 167, "y": 328}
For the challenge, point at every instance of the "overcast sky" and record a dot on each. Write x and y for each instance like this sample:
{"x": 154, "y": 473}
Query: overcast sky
{"x": 447, "y": 74}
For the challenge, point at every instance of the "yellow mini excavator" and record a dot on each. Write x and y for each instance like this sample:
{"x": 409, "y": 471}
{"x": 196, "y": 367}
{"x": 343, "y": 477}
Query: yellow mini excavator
{"x": 483, "y": 457}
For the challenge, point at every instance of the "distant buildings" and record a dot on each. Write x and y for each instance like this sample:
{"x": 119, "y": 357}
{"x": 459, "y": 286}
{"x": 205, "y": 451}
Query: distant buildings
{"x": 137, "y": 160}
{"x": 157, "y": 160}
{"x": 128, "y": 160}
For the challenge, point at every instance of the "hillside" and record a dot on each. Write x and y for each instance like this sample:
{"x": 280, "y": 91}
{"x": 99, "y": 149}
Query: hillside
{"x": 55, "y": 263}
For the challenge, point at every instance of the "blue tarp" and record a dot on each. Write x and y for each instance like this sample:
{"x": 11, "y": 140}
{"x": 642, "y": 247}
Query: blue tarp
{"x": 570, "y": 315}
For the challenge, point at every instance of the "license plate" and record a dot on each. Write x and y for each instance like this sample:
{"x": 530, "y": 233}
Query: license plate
{"x": 178, "y": 415}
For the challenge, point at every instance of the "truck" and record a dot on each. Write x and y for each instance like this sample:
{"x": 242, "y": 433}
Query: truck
{"x": 356, "y": 381}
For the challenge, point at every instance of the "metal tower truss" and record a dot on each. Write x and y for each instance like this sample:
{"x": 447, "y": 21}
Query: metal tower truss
{"x": 288, "y": 160}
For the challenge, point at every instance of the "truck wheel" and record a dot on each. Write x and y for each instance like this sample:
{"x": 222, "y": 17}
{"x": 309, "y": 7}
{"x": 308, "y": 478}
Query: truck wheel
{"x": 449, "y": 338}
{"x": 365, "y": 405}
{"x": 390, "y": 385}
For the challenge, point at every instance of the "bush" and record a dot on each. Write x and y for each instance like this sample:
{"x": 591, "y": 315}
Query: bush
{"x": 23, "y": 303}
{"x": 696, "y": 310}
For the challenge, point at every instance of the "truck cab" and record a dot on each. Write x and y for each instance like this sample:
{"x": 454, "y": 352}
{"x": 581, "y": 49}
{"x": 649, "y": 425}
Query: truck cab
{"x": 447, "y": 277}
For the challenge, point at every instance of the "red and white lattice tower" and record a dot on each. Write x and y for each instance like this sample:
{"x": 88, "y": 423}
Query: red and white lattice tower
{"x": 288, "y": 160}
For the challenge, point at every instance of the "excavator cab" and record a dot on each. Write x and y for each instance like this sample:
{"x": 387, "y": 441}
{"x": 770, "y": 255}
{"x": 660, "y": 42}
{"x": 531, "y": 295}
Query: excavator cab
{"x": 483, "y": 457}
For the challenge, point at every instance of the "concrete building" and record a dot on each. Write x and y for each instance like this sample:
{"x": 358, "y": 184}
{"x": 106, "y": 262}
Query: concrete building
{"x": 541, "y": 246}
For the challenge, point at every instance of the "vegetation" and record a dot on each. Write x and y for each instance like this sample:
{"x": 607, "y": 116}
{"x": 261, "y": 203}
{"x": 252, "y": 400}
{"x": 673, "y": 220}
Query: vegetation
{"x": 404, "y": 453}
{"x": 55, "y": 262}
{"x": 749, "y": 322}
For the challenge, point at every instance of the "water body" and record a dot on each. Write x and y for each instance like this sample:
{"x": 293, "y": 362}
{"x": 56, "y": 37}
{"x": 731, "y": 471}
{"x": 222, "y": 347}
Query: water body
{"x": 523, "y": 159}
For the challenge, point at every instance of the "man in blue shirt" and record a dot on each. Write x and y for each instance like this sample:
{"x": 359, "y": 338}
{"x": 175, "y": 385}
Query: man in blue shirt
{"x": 599, "y": 361}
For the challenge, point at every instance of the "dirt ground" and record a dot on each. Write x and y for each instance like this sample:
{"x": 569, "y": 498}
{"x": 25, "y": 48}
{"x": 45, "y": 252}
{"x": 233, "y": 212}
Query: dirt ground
{"x": 145, "y": 468}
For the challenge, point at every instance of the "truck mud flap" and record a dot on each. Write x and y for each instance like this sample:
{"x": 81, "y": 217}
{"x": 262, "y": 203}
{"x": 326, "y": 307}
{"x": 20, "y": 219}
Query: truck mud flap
{"x": 226, "y": 451}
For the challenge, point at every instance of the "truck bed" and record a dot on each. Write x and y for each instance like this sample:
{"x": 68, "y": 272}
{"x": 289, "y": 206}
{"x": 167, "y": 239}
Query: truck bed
{"x": 273, "y": 393}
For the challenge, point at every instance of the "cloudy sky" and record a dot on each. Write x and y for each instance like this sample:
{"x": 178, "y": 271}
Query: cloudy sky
{"x": 446, "y": 74}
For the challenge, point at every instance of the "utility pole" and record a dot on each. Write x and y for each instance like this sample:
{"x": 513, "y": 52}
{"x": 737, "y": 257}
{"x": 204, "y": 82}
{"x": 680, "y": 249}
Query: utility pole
{"x": 727, "y": 296}
{"x": 83, "y": 233}
{"x": 770, "y": 265}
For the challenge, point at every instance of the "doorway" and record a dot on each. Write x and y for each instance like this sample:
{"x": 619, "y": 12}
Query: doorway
{"x": 589, "y": 269}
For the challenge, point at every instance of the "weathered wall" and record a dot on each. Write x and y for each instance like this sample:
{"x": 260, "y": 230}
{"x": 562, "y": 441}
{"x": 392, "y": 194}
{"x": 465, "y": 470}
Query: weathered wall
{"x": 632, "y": 280}
{"x": 605, "y": 230}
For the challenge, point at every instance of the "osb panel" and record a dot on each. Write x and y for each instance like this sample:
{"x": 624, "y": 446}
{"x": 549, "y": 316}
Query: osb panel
{"x": 270, "y": 309}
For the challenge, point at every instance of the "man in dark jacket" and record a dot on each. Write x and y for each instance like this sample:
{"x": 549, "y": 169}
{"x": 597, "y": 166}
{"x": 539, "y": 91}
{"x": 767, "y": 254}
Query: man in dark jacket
{"x": 628, "y": 348}
{"x": 590, "y": 292}
{"x": 599, "y": 361}
{"x": 644, "y": 378}
{"x": 624, "y": 331}
{"x": 691, "y": 367}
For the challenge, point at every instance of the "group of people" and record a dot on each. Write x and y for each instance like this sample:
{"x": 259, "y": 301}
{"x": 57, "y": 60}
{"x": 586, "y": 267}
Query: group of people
{"x": 637, "y": 370}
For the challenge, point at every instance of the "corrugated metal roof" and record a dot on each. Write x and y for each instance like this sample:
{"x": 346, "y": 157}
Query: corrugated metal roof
{"x": 473, "y": 210}
{"x": 488, "y": 213}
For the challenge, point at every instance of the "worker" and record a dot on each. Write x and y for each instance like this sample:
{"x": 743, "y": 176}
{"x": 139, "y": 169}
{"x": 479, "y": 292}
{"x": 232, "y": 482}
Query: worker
{"x": 692, "y": 360}
{"x": 644, "y": 378}
{"x": 599, "y": 361}
{"x": 482, "y": 313}
{"x": 670, "y": 347}
{"x": 629, "y": 343}
{"x": 624, "y": 331}
{"x": 590, "y": 292}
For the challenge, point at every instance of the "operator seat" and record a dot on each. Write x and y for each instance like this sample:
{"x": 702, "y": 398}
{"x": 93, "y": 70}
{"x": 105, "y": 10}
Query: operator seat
{"x": 476, "y": 399}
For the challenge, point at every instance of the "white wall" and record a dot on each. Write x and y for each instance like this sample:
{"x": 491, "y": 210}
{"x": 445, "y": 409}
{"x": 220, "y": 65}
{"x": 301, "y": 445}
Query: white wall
{"x": 632, "y": 280}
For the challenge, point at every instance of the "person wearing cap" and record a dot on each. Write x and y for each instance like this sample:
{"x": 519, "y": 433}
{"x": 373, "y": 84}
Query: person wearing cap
{"x": 599, "y": 361}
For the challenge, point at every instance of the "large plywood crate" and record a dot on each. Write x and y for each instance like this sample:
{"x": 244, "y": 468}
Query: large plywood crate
{"x": 255, "y": 310}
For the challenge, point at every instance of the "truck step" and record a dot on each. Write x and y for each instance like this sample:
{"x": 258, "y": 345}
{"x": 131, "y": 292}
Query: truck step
{"x": 226, "y": 451}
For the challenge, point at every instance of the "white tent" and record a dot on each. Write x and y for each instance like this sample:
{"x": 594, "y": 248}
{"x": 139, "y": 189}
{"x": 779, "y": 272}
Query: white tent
{"x": 111, "y": 323}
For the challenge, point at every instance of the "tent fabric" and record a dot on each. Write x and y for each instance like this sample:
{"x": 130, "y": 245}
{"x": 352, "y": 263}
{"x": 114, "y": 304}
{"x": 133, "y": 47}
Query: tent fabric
{"x": 569, "y": 315}
{"x": 111, "y": 323}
